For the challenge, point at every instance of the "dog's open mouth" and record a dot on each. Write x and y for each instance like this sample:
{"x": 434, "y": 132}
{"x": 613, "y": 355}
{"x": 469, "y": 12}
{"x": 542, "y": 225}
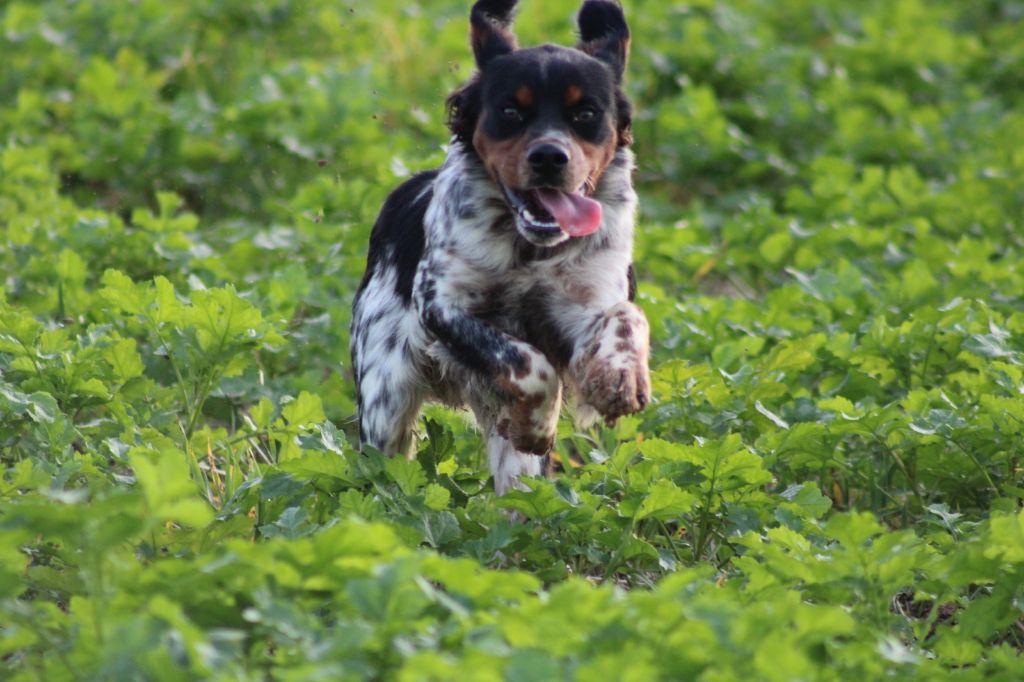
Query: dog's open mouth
{"x": 548, "y": 212}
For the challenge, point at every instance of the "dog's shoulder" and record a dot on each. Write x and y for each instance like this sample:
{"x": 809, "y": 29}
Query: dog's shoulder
{"x": 397, "y": 239}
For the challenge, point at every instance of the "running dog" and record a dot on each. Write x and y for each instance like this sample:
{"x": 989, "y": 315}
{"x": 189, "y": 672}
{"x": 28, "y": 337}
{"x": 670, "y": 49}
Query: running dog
{"x": 506, "y": 273}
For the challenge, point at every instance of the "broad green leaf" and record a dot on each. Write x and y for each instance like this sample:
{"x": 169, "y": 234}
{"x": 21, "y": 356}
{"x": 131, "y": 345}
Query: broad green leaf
{"x": 307, "y": 409}
{"x": 439, "y": 528}
{"x": 124, "y": 359}
{"x": 222, "y": 318}
{"x": 539, "y": 502}
{"x": 167, "y": 308}
{"x": 70, "y": 267}
{"x": 1007, "y": 538}
{"x": 170, "y": 494}
{"x": 437, "y": 497}
{"x": 312, "y": 462}
{"x": 262, "y": 413}
{"x": 123, "y": 294}
{"x": 43, "y": 408}
{"x": 408, "y": 474}
{"x": 809, "y": 499}
{"x": 666, "y": 501}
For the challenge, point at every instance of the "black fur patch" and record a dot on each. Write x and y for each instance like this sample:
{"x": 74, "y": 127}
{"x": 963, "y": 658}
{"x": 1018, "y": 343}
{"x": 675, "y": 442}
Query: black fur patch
{"x": 604, "y": 33}
{"x": 548, "y": 71}
{"x": 477, "y": 345}
{"x": 541, "y": 330}
{"x": 491, "y": 29}
{"x": 397, "y": 237}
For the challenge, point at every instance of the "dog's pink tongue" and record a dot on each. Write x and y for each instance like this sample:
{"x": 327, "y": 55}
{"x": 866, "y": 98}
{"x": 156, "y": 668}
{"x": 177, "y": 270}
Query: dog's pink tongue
{"x": 577, "y": 215}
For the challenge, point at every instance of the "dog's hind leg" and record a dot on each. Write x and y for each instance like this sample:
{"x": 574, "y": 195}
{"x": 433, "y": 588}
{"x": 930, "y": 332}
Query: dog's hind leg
{"x": 389, "y": 404}
{"x": 390, "y": 387}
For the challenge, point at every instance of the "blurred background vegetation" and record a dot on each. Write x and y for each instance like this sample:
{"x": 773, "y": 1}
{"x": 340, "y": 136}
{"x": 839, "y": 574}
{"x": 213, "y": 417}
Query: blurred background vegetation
{"x": 281, "y": 125}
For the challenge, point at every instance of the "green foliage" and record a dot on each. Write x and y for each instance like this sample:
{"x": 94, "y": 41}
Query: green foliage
{"x": 827, "y": 486}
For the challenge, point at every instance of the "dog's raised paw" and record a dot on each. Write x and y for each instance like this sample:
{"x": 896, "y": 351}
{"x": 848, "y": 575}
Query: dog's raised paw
{"x": 612, "y": 373}
{"x": 529, "y": 419}
{"x": 617, "y": 387}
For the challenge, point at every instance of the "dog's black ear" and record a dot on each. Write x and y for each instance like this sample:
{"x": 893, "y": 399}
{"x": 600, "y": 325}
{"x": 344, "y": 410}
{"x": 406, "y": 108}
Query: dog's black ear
{"x": 464, "y": 109}
{"x": 490, "y": 29}
{"x": 604, "y": 33}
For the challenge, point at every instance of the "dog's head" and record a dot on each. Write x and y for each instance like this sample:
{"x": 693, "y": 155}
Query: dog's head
{"x": 546, "y": 121}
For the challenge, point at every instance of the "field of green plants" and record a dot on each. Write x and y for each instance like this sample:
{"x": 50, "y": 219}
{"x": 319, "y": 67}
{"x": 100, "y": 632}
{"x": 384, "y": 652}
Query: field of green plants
{"x": 828, "y": 485}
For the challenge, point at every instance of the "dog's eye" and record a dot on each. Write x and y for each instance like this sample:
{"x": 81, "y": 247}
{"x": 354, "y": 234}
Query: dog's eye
{"x": 586, "y": 115}
{"x": 512, "y": 114}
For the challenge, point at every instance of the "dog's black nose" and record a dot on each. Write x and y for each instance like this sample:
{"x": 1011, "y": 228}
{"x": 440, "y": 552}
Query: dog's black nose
{"x": 547, "y": 158}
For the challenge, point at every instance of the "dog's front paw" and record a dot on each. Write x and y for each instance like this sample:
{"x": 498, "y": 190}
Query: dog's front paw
{"x": 616, "y": 386}
{"x": 532, "y": 424}
{"x": 612, "y": 374}
{"x": 530, "y": 419}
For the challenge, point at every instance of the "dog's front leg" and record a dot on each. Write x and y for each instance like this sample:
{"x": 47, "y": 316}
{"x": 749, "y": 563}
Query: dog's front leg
{"x": 610, "y": 368}
{"x": 520, "y": 377}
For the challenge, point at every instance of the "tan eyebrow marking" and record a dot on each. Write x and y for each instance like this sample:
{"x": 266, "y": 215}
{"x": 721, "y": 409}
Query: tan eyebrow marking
{"x": 524, "y": 96}
{"x": 573, "y": 94}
